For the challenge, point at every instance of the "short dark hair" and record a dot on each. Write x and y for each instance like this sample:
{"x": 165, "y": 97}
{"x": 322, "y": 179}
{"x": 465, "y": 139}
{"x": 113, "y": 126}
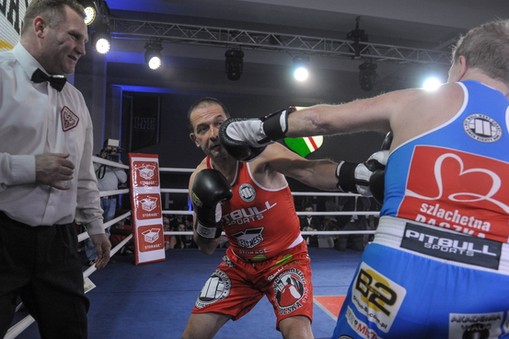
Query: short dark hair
{"x": 51, "y": 9}
{"x": 307, "y": 205}
{"x": 203, "y": 102}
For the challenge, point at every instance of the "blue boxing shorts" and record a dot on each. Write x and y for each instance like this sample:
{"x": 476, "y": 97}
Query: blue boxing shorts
{"x": 416, "y": 281}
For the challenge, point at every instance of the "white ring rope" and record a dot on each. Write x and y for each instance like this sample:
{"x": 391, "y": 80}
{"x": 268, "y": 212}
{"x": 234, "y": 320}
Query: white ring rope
{"x": 24, "y": 323}
{"x": 108, "y": 224}
{"x": 110, "y": 163}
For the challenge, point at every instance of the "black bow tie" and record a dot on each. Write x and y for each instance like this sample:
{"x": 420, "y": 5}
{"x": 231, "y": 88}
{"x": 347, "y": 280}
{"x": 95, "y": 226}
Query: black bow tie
{"x": 57, "y": 82}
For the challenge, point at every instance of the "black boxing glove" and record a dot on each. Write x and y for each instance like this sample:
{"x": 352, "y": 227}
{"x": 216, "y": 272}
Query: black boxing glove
{"x": 358, "y": 177}
{"x": 377, "y": 165}
{"x": 233, "y": 141}
{"x": 209, "y": 190}
{"x": 353, "y": 177}
{"x": 245, "y": 139}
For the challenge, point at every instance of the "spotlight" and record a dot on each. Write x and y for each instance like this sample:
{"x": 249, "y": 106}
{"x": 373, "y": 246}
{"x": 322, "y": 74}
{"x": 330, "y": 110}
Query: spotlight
{"x": 234, "y": 63}
{"x": 367, "y": 75}
{"x": 357, "y": 36}
{"x": 91, "y": 11}
{"x": 97, "y": 18}
{"x": 102, "y": 41}
{"x": 153, "y": 54}
{"x": 431, "y": 83}
{"x": 300, "y": 72}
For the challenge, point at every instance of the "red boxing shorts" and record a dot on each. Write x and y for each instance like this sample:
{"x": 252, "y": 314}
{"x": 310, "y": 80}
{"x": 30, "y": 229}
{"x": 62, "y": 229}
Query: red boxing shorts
{"x": 237, "y": 285}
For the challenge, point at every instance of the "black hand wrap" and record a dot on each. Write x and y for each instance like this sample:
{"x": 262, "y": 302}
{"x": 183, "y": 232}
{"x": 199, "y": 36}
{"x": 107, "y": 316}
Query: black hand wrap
{"x": 209, "y": 190}
{"x": 345, "y": 173}
{"x": 275, "y": 125}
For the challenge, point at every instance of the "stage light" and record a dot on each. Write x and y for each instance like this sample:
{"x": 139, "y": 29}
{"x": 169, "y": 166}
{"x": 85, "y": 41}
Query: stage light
{"x": 97, "y": 18}
{"x": 357, "y": 36}
{"x": 153, "y": 54}
{"x": 153, "y": 60}
{"x": 431, "y": 84}
{"x": 102, "y": 42}
{"x": 91, "y": 11}
{"x": 367, "y": 75}
{"x": 234, "y": 63}
{"x": 300, "y": 71}
{"x": 301, "y": 74}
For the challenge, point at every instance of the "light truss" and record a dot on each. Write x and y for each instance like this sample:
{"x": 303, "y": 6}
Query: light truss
{"x": 206, "y": 35}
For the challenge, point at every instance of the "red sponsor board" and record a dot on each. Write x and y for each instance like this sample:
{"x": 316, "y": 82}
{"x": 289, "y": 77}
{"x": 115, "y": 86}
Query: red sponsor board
{"x": 146, "y": 208}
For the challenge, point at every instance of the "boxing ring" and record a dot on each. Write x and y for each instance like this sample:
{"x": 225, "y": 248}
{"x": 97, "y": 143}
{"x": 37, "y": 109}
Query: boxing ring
{"x": 21, "y": 325}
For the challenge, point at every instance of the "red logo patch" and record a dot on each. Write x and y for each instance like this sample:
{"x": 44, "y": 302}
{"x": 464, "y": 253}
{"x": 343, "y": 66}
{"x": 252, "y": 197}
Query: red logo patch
{"x": 460, "y": 191}
{"x": 146, "y": 173}
{"x": 290, "y": 290}
{"x": 69, "y": 119}
{"x": 148, "y": 206}
{"x": 150, "y": 238}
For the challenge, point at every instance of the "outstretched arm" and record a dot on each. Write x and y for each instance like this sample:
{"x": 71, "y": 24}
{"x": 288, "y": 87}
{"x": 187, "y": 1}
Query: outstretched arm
{"x": 325, "y": 174}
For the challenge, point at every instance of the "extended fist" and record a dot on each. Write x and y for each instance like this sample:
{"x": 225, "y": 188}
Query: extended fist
{"x": 365, "y": 178}
{"x": 245, "y": 139}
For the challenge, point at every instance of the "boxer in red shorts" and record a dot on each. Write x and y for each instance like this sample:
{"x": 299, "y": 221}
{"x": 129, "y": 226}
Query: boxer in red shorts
{"x": 252, "y": 203}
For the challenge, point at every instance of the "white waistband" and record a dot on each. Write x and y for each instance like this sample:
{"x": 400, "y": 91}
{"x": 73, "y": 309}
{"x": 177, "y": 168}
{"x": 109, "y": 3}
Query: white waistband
{"x": 442, "y": 244}
{"x": 296, "y": 242}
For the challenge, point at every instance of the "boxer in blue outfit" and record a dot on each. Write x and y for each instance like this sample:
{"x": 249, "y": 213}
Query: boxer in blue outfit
{"x": 439, "y": 263}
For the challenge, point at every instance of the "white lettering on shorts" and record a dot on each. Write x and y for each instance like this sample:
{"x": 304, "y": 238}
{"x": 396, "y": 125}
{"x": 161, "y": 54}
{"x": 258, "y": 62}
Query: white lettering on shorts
{"x": 451, "y": 246}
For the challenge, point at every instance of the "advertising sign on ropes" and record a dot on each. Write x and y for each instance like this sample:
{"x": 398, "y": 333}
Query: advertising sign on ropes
{"x": 146, "y": 208}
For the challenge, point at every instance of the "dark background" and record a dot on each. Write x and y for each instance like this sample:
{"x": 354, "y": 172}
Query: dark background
{"x": 120, "y": 89}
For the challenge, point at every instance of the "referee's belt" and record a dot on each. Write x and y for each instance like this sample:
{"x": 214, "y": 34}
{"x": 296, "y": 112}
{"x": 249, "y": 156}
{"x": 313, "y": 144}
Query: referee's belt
{"x": 443, "y": 244}
{"x": 108, "y": 197}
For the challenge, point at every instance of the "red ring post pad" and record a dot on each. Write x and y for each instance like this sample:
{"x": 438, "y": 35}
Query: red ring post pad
{"x": 146, "y": 208}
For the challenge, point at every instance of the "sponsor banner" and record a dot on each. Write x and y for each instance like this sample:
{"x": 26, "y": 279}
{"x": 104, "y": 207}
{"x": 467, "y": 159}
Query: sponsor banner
{"x": 146, "y": 208}
{"x": 11, "y": 17}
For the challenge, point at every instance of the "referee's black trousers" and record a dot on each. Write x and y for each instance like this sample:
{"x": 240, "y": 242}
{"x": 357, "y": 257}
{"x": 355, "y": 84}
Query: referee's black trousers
{"x": 41, "y": 265}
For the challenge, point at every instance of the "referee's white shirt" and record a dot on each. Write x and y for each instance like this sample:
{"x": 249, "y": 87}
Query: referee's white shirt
{"x": 36, "y": 119}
